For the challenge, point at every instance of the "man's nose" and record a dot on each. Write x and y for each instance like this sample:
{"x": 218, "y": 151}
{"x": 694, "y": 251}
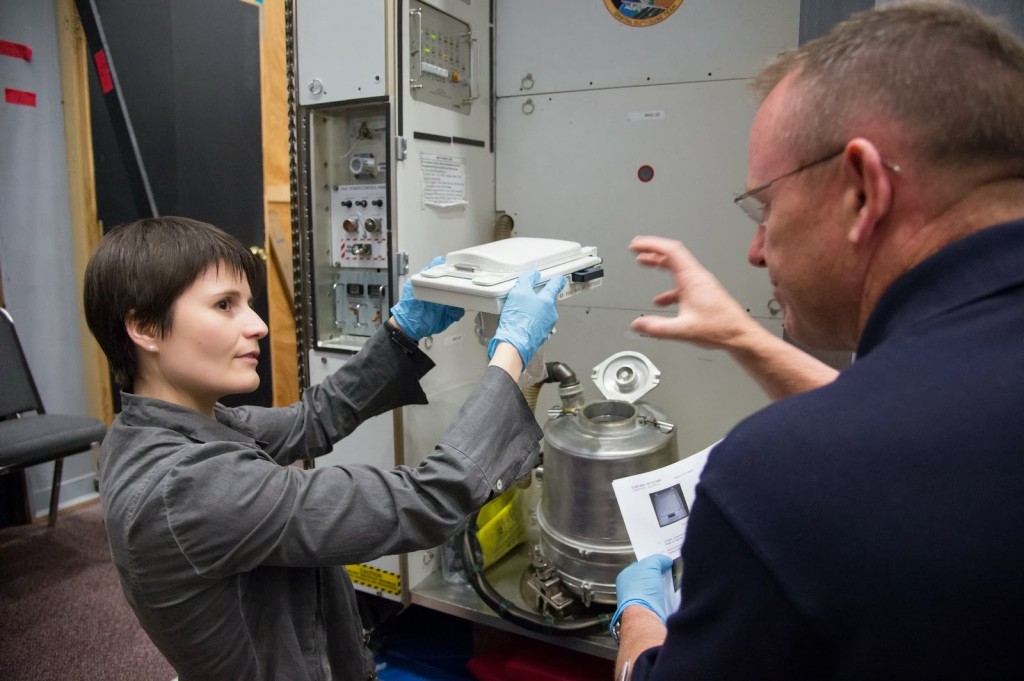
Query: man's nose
{"x": 755, "y": 254}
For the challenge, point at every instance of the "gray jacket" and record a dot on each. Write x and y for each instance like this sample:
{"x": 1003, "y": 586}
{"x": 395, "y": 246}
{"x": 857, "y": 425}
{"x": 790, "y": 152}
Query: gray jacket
{"x": 232, "y": 559}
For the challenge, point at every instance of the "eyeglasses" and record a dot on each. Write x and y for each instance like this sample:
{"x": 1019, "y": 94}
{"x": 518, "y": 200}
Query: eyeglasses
{"x": 754, "y": 207}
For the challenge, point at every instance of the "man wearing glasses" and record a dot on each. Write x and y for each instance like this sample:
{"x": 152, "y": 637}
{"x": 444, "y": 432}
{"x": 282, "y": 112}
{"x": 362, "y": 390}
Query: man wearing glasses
{"x": 870, "y": 526}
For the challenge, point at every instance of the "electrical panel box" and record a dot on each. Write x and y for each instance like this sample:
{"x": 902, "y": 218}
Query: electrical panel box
{"x": 341, "y": 54}
{"x": 349, "y": 223}
{"x": 443, "y": 56}
{"x": 393, "y": 165}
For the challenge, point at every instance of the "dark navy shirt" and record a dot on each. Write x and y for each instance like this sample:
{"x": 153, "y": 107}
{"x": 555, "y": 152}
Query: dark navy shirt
{"x": 874, "y": 528}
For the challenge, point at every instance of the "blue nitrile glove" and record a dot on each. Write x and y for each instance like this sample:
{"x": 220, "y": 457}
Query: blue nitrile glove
{"x": 643, "y": 583}
{"x": 419, "y": 318}
{"x": 527, "y": 317}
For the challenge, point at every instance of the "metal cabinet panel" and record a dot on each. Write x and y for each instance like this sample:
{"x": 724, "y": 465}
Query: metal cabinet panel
{"x": 569, "y": 166}
{"x": 341, "y": 50}
{"x": 579, "y": 44}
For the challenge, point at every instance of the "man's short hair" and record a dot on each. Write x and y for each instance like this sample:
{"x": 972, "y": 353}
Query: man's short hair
{"x": 140, "y": 269}
{"x": 952, "y": 78}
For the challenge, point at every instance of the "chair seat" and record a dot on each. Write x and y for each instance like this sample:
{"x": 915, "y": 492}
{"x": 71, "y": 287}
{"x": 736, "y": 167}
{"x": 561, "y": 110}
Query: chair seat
{"x": 42, "y": 437}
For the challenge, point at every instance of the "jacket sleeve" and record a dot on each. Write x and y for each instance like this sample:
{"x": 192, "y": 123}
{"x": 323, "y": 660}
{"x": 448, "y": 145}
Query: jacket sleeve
{"x": 383, "y": 375}
{"x": 232, "y": 508}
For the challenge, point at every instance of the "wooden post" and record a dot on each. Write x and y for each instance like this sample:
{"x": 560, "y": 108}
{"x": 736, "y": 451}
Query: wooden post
{"x": 85, "y": 227}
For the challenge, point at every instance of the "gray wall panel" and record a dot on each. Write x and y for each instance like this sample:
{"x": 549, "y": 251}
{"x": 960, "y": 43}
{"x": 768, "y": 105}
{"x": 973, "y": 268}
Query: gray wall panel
{"x": 35, "y": 232}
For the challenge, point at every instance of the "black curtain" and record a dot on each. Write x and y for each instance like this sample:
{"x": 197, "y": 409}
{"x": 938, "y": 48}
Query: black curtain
{"x": 189, "y": 72}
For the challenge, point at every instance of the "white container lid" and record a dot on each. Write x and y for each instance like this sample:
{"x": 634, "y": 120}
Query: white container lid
{"x": 479, "y": 278}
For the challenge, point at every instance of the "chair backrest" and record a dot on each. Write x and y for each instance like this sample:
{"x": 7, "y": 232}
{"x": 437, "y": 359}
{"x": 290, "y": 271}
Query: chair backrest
{"x": 17, "y": 389}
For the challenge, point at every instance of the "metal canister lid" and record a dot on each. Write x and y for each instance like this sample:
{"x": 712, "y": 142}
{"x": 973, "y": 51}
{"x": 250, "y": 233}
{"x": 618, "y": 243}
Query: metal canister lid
{"x": 626, "y": 376}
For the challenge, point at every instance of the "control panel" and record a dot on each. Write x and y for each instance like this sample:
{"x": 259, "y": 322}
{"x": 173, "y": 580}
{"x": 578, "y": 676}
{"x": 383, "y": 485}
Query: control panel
{"x": 350, "y": 230}
{"x": 441, "y": 59}
{"x": 359, "y": 225}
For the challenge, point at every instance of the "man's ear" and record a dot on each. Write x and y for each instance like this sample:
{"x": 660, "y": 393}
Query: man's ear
{"x": 869, "y": 191}
{"x": 143, "y": 336}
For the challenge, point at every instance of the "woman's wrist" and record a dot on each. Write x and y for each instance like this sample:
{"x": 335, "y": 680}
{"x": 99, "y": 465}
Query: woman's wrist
{"x": 507, "y": 357}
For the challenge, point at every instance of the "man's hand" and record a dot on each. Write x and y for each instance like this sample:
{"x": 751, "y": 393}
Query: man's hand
{"x": 707, "y": 314}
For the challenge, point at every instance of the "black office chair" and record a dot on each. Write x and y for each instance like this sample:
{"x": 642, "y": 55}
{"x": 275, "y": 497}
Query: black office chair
{"x": 28, "y": 435}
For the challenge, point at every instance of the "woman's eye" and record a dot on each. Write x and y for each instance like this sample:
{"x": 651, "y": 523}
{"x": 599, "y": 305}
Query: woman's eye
{"x": 224, "y": 304}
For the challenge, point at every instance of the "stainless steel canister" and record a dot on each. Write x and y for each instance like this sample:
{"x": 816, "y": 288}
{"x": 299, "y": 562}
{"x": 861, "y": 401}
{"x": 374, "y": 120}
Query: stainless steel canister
{"x": 581, "y": 529}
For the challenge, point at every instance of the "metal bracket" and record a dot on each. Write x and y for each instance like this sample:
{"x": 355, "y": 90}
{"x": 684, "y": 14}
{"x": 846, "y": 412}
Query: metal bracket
{"x": 401, "y": 266}
{"x": 401, "y": 148}
{"x": 544, "y": 588}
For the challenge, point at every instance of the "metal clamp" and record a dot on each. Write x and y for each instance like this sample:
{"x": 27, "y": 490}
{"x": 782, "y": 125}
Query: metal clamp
{"x": 559, "y": 412}
{"x": 663, "y": 426}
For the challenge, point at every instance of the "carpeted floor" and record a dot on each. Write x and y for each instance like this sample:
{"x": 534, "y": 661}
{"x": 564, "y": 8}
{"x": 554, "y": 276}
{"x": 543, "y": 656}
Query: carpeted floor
{"x": 63, "y": 618}
{"x": 62, "y": 614}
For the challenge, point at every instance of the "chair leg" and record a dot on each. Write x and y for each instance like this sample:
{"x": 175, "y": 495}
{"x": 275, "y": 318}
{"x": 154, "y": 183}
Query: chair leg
{"x": 58, "y": 468}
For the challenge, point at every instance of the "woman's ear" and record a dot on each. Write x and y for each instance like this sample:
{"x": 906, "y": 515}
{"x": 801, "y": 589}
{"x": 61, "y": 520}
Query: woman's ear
{"x": 143, "y": 336}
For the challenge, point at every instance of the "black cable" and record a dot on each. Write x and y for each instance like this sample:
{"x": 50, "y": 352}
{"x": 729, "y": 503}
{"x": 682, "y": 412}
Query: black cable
{"x": 506, "y": 609}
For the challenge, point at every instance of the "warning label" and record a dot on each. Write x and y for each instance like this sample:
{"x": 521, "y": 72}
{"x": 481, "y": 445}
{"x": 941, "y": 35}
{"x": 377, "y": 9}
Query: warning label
{"x": 375, "y": 578}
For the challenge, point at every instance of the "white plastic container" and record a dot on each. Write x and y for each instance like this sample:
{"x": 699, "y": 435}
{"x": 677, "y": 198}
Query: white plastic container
{"x": 480, "y": 278}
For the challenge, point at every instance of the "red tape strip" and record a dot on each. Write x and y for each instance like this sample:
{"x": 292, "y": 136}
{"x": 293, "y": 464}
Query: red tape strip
{"x": 19, "y": 97}
{"x": 103, "y": 71}
{"x": 16, "y": 50}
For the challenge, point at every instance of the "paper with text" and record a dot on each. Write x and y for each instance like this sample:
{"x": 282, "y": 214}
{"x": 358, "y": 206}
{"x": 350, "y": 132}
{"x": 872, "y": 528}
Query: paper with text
{"x": 655, "y": 508}
{"x": 444, "y": 180}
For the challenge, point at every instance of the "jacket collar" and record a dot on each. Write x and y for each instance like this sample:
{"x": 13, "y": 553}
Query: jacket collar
{"x": 972, "y": 268}
{"x": 146, "y": 411}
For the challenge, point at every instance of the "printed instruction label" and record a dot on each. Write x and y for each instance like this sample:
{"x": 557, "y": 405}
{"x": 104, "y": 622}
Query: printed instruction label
{"x": 444, "y": 180}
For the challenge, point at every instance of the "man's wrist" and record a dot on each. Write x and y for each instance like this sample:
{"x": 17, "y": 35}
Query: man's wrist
{"x": 616, "y": 622}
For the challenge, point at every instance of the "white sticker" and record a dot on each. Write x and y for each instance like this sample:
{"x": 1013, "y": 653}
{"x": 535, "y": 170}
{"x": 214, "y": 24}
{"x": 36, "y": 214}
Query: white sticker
{"x": 645, "y": 115}
{"x": 444, "y": 180}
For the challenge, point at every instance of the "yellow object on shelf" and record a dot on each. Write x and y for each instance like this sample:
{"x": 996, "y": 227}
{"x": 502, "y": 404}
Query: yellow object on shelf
{"x": 500, "y": 526}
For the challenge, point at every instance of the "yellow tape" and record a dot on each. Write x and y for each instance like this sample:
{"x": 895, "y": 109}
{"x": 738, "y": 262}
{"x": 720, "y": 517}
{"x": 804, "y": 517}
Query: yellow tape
{"x": 375, "y": 578}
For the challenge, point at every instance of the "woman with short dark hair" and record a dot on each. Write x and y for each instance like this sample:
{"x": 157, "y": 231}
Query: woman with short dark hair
{"x": 232, "y": 559}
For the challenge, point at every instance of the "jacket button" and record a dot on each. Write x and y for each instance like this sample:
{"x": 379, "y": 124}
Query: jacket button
{"x": 499, "y": 485}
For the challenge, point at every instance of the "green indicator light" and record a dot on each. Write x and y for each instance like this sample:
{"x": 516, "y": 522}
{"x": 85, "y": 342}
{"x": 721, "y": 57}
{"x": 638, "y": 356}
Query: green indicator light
{"x": 426, "y": 50}
{"x": 433, "y": 36}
